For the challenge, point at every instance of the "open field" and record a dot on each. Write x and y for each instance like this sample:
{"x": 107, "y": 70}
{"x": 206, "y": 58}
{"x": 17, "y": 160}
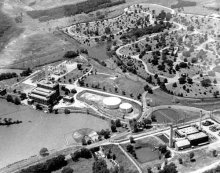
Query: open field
{"x": 116, "y": 84}
{"x": 121, "y": 158}
{"x": 174, "y": 116}
{"x": 71, "y": 9}
{"x": 39, "y": 4}
{"x": 147, "y": 155}
{"x": 83, "y": 165}
{"x": 202, "y": 157}
{"x": 8, "y": 29}
{"x": 38, "y": 130}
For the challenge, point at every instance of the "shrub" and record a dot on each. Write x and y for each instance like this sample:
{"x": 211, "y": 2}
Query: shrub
{"x": 44, "y": 152}
{"x": 9, "y": 98}
{"x": 17, "y": 101}
{"x": 67, "y": 170}
{"x": 66, "y": 111}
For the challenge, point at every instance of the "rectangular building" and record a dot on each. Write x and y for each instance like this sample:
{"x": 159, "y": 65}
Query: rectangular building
{"x": 182, "y": 144}
{"x": 46, "y": 93}
{"x": 198, "y": 138}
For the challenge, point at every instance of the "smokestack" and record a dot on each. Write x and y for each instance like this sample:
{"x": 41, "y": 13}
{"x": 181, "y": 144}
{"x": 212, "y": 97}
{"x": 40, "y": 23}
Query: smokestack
{"x": 200, "y": 121}
{"x": 171, "y": 136}
{"x": 46, "y": 74}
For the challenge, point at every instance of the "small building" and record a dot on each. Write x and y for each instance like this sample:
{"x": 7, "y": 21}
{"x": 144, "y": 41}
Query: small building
{"x": 182, "y": 144}
{"x": 68, "y": 99}
{"x": 198, "y": 138}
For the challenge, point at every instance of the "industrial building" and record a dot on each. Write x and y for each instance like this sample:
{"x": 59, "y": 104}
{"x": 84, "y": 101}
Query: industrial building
{"x": 46, "y": 93}
{"x": 187, "y": 136}
{"x": 198, "y": 138}
{"x": 187, "y": 130}
{"x": 182, "y": 144}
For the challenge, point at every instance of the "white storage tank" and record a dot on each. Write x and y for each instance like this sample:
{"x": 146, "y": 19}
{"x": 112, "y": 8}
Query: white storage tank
{"x": 111, "y": 102}
{"x": 126, "y": 107}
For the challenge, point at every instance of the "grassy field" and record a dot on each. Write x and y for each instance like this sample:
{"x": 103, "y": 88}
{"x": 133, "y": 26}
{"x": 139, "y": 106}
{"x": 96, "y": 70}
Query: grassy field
{"x": 146, "y": 155}
{"x": 39, "y": 130}
{"x": 83, "y": 165}
{"x": 121, "y": 159}
{"x": 8, "y": 29}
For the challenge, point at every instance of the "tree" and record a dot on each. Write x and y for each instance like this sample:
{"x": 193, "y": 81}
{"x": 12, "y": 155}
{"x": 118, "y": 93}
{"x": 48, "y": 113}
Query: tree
{"x": 67, "y": 170}
{"x": 17, "y": 101}
{"x": 132, "y": 139}
{"x": 214, "y": 153}
{"x": 118, "y": 123}
{"x": 130, "y": 148}
{"x": 66, "y": 111}
{"x": 206, "y": 83}
{"x": 149, "y": 170}
{"x": 23, "y": 96}
{"x": 163, "y": 149}
{"x": 169, "y": 168}
{"x": 153, "y": 118}
{"x": 70, "y": 54}
{"x": 100, "y": 166}
{"x": 44, "y": 152}
{"x": 147, "y": 122}
{"x": 107, "y": 30}
{"x": 113, "y": 128}
{"x": 9, "y": 98}
{"x": 191, "y": 156}
{"x": 180, "y": 161}
{"x": 174, "y": 85}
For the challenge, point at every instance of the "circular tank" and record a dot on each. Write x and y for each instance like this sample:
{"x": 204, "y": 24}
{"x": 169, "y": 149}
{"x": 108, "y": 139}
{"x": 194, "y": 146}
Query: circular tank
{"x": 126, "y": 107}
{"x": 111, "y": 102}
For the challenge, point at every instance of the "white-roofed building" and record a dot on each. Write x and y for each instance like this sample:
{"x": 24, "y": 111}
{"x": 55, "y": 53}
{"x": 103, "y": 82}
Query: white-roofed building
{"x": 182, "y": 144}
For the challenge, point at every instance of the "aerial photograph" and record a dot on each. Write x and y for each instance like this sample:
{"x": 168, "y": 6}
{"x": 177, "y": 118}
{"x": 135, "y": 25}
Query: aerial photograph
{"x": 109, "y": 86}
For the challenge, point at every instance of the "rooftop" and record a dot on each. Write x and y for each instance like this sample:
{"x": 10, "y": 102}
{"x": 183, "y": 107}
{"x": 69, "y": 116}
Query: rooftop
{"x": 197, "y": 136}
{"x": 47, "y": 83}
{"x": 182, "y": 143}
{"x": 187, "y": 130}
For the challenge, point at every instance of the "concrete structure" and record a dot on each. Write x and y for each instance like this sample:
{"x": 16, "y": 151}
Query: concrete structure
{"x": 198, "y": 138}
{"x": 200, "y": 121}
{"x": 187, "y": 130}
{"x": 111, "y": 102}
{"x": 182, "y": 144}
{"x": 46, "y": 93}
{"x": 126, "y": 107}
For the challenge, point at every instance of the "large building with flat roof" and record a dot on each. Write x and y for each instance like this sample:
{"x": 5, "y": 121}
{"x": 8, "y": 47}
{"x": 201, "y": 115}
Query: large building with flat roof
{"x": 198, "y": 138}
{"x": 46, "y": 93}
{"x": 187, "y": 130}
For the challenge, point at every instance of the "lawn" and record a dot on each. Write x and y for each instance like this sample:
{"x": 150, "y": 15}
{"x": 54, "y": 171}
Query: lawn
{"x": 81, "y": 166}
{"x": 174, "y": 115}
{"x": 39, "y": 130}
{"x": 121, "y": 158}
{"x": 202, "y": 157}
{"x": 116, "y": 84}
{"x": 146, "y": 154}
{"x": 8, "y": 29}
